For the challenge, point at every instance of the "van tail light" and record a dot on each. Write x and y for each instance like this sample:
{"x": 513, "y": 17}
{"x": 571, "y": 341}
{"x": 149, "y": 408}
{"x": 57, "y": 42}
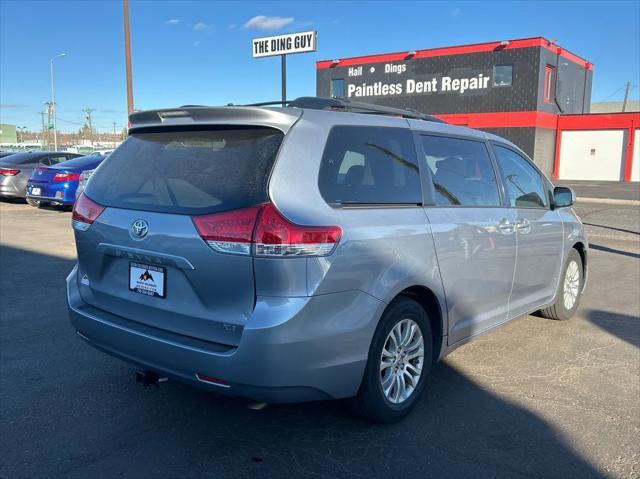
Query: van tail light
{"x": 85, "y": 212}
{"x": 229, "y": 232}
{"x": 8, "y": 172}
{"x": 276, "y": 236}
{"x": 265, "y": 232}
{"x": 62, "y": 177}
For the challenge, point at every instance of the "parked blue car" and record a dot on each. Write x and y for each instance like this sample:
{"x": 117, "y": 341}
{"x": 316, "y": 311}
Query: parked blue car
{"x": 57, "y": 184}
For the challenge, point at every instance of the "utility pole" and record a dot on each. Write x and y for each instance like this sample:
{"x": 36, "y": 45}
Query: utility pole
{"x": 88, "y": 112}
{"x": 127, "y": 56}
{"x": 114, "y": 134}
{"x": 49, "y": 112}
{"x": 626, "y": 96}
{"x": 53, "y": 103}
{"x": 42, "y": 114}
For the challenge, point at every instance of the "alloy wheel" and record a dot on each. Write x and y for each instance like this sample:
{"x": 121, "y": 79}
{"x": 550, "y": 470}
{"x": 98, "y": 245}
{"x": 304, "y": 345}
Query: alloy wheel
{"x": 401, "y": 361}
{"x": 571, "y": 285}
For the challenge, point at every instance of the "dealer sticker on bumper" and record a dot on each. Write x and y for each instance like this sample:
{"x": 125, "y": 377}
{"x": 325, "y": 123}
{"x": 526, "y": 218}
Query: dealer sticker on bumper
{"x": 147, "y": 279}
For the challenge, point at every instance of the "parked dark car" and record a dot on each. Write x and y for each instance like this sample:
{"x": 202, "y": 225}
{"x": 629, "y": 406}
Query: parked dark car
{"x": 57, "y": 184}
{"x": 16, "y": 169}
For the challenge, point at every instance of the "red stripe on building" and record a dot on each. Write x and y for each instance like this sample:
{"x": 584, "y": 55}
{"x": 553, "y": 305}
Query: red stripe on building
{"x": 628, "y": 157}
{"x": 457, "y": 50}
{"x": 598, "y": 121}
{"x": 509, "y": 119}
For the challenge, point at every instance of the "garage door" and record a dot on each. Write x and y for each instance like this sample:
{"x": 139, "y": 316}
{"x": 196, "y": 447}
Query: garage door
{"x": 592, "y": 155}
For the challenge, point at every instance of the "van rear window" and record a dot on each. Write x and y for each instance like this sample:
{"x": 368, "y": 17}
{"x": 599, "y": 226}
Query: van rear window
{"x": 188, "y": 172}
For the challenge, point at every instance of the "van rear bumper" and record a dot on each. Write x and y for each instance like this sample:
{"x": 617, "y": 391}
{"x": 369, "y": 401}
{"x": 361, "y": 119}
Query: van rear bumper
{"x": 291, "y": 350}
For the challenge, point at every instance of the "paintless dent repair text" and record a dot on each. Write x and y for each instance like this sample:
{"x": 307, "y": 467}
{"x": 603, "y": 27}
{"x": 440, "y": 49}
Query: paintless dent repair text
{"x": 443, "y": 84}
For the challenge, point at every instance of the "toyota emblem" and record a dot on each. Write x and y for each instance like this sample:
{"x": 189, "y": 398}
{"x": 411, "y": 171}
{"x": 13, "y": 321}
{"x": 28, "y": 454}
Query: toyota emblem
{"x": 139, "y": 228}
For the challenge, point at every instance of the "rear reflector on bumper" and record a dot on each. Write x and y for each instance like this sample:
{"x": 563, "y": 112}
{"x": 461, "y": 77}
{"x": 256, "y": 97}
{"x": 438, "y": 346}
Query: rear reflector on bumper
{"x": 209, "y": 380}
{"x": 265, "y": 232}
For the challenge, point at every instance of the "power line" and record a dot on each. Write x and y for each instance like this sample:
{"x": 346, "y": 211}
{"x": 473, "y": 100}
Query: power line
{"x": 618, "y": 90}
{"x": 70, "y": 122}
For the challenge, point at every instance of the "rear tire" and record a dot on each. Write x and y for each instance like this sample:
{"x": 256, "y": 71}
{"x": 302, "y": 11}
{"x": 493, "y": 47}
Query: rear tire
{"x": 569, "y": 290}
{"x": 391, "y": 385}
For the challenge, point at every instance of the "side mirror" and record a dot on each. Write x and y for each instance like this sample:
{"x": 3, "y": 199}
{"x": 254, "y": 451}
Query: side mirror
{"x": 563, "y": 197}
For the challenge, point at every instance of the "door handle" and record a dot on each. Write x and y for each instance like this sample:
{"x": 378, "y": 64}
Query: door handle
{"x": 506, "y": 227}
{"x": 523, "y": 225}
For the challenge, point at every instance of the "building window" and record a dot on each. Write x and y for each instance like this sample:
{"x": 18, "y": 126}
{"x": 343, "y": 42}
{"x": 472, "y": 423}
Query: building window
{"x": 548, "y": 84}
{"x": 502, "y": 75}
{"x": 337, "y": 88}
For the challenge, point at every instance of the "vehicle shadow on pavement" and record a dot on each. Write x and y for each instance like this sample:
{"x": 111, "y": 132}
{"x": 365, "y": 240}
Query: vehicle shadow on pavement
{"x": 69, "y": 410}
{"x": 621, "y": 230}
{"x": 606, "y": 249}
{"x": 622, "y": 326}
{"x": 11, "y": 200}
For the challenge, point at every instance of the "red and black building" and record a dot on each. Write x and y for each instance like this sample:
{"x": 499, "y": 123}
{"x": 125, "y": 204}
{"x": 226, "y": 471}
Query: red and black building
{"x": 514, "y": 88}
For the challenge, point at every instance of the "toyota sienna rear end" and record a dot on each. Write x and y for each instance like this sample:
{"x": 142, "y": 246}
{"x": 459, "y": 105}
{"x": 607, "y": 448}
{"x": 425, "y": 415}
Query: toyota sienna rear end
{"x": 186, "y": 265}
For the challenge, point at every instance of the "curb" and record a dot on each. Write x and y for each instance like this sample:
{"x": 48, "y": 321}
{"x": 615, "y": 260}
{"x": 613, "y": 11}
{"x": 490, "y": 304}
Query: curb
{"x": 608, "y": 201}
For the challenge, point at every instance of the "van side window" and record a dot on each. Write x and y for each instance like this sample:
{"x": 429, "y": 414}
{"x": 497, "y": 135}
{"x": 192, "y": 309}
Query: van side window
{"x": 370, "y": 165}
{"x": 461, "y": 172}
{"x": 523, "y": 183}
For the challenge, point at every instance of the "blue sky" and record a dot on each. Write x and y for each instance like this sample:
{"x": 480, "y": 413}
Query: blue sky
{"x": 199, "y": 52}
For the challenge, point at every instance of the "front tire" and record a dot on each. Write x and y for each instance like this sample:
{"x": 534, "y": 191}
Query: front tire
{"x": 569, "y": 291}
{"x": 400, "y": 358}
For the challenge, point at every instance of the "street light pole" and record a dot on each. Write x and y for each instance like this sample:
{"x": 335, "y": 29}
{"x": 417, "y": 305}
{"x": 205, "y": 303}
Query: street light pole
{"x": 53, "y": 102}
{"x": 127, "y": 56}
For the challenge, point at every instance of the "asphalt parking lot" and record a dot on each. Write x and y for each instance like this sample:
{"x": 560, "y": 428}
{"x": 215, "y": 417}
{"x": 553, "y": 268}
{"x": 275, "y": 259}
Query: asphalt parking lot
{"x": 536, "y": 398}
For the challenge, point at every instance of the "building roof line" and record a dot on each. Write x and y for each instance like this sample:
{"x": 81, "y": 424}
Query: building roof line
{"x": 457, "y": 50}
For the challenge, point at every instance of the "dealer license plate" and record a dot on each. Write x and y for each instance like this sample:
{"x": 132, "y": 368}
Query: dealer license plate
{"x": 35, "y": 191}
{"x": 147, "y": 279}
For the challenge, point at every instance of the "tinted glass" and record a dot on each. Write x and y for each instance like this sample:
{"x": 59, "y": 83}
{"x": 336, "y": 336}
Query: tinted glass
{"x": 461, "y": 172}
{"x": 502, "y": 75}
{"x": 369, "y": 165}
{"x": 82, "y": 161}
{"x": 188, "y": 172}
{"x": 54, "y": 160}
{"x": 22, "y": 159}
{"x": 524, "y": 185}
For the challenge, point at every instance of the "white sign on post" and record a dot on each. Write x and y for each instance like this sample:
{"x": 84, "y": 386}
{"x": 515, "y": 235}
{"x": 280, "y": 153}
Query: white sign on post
{"x": 301, "y": 42}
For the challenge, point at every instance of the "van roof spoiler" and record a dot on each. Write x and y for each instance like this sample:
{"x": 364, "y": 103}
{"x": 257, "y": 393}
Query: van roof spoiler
{"x": 340, "y": 104}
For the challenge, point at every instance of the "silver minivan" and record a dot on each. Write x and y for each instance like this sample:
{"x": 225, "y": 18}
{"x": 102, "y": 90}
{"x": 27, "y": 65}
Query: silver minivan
{"x": 324, "y": 250}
